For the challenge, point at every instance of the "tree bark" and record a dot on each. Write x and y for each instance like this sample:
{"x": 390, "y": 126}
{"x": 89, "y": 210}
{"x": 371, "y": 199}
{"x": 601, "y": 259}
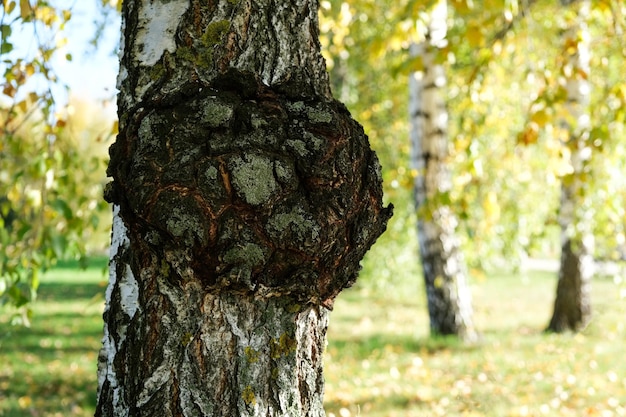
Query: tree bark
{"x": 447, "y": 291}
{"x": 572, "y": 305}
{"x": 244, "y": 197}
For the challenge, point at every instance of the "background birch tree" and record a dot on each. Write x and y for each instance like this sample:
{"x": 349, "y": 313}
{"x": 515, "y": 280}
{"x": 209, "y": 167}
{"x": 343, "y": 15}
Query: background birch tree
{"x": 244, "y": 197}
{"x": 447, "y": 291}
{"x": 572, "y": 305}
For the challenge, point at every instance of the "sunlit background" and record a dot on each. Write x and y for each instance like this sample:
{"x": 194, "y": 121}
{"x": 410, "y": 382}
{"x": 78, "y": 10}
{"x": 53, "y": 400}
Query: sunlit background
{"x": 505, "y": 77}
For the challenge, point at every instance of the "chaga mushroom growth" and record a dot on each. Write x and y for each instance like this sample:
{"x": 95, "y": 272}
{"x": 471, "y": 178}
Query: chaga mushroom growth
{"x": 249, "y": 188}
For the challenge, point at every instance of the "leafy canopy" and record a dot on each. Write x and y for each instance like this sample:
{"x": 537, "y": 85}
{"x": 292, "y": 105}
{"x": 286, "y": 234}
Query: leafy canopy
{"x": 50, "y": 173}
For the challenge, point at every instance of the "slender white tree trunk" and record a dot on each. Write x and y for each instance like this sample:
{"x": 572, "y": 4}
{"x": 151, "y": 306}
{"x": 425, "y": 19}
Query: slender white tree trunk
{"x": 449, "y": 299}
{"x": 572, "y": 305}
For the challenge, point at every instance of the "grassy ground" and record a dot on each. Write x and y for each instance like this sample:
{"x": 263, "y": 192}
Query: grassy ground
{"x": 379, "y": 360}
{"x": 50, "y": 368}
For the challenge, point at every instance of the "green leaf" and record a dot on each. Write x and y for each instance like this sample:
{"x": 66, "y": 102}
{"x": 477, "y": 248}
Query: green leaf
{"x": 5, "y": 30}
{"x": 63, "y": 208}
{"x": 94, "y": 220}
{"x": 6, "y": 48}
{"x": 18, "y": 295}
{"x": 59, "y": 243}
{"x": 34, "y": 281}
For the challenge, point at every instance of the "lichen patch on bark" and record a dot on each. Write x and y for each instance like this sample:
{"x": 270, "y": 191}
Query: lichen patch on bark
{"x": 253, "y": 178}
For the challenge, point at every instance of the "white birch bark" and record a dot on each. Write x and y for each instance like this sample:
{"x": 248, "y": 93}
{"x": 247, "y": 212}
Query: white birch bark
{"x": 572, "y": 309}
{"x": 126, "y": 284}
{"x": 449, "y": 298}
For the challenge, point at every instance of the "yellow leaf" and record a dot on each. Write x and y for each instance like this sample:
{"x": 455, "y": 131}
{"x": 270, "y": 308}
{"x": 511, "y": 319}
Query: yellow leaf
{"x": 491, "y": 206}
{"x": 30, "y": 69}
{"x": 462, "y": 6}
{"x": 529, "y": 135}
{"x": 61, "y": 42}
{"x": 9, "y": 90}
{"x": 540, "y": 117}
{"x": 25, "y": 9}
{"x": 25, "y": 401}
{"x": 22, "y": 105}
{"x": 475, "y": 36}
{"x": 10, "y": 7}
{"x": 46, "y": 14}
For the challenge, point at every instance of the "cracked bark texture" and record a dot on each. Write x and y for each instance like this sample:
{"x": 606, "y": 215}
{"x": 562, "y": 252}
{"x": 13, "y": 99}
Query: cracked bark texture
{"x": 244, "y": 197}
{"x": 443, "y": 266}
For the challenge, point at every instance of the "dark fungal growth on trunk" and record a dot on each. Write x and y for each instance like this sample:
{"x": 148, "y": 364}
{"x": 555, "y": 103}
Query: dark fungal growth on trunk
{"x": 247, "y": 188}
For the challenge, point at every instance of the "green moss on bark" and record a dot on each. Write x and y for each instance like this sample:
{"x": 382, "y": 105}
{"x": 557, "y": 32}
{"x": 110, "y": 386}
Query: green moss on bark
{"x": 214, "y": 33}
{"x": 252, "y": 355}
{"x": 285, "y": 345}
{"x": 248, "y": 396}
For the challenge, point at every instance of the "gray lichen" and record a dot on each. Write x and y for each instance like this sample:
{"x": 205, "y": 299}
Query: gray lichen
{"x": 298, "y": 146}
{"x": 316, "y": 143}
{"x": 284, "y": 173}
{"x": 183, "y": 222}
{"x": 253, "y": 178}
{"x": 317, "y": 115}
{"x": 296, "y": 106}
{"x": 306, "y": 145}
{"x": 216, "y": 114}
{"x": 211, "y": 173}
{"x": 296, "y": 222}
{"x": 179, "y": 222}
{"x": 248, "y": 254}
{"x": 244, "y": 259}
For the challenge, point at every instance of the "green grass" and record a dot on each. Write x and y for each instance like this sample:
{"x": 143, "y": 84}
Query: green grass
{"x": 379, "y": 361}
{"x": 50, "y": 368}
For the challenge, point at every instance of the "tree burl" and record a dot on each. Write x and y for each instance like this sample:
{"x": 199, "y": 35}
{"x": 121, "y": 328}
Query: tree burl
{"x": 251, "y": 189}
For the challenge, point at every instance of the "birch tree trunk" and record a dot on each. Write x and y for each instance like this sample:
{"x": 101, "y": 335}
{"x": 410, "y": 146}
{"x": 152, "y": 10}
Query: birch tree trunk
{"x": 572, "y": 305}
{"x": 243, "y": 196}
{"x": 447, "y": 291}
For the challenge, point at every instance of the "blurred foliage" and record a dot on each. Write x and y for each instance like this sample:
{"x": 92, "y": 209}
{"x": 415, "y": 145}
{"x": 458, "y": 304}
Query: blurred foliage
{"x": 505, "y": 91}
{"x": 506, "y": 95}
{"x": 51, "y": 172}
{"x": 357, "y": 40}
